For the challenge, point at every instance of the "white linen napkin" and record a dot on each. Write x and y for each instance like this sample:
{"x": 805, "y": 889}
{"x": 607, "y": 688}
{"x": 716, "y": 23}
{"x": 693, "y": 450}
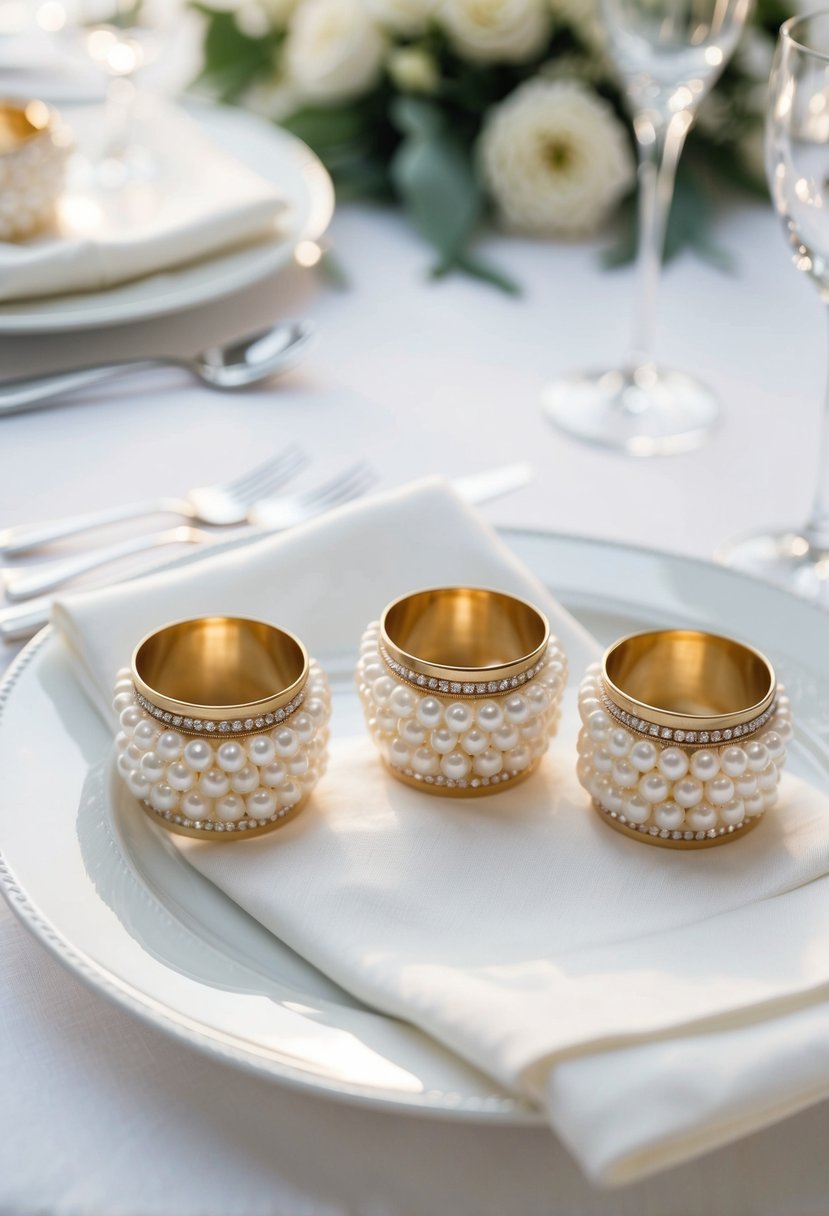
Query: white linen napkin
{"x": 201, "y": 202}
{"x": 561, "y": 958}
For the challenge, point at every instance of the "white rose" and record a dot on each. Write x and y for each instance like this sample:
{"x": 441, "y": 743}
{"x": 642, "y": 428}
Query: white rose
{"x": 505, "y": 31}
{"x": 334, "y": 50}
{"x": 414, "y": 70}
{"x": 407, "y": 17}
{"x": 555, "y": 158}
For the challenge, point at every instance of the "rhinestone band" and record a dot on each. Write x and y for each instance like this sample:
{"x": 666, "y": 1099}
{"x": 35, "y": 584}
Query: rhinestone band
{"x": 209, "y": 825}
{"x": 459, "y": 688}
{"x": 688, "y": 738}
{"x": 200, "y": 726}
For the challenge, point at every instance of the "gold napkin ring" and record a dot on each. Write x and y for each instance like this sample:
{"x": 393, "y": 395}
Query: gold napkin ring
{"x": 461, "y": 689}
{"x": 223, "y": 726}
{"x": 683, "y": 737}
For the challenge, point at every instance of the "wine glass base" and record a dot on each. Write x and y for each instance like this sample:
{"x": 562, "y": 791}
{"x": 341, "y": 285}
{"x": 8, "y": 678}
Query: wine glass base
{"x": 644, "y": 410}
{"x": 787, "y": 559}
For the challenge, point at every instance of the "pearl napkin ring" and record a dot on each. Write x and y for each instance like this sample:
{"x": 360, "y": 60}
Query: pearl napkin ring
{"x": 684, "y": 735}
{"x": 34, "y": 146}
{"x": 461, "y": 689}
{"x": 224, "y": 726}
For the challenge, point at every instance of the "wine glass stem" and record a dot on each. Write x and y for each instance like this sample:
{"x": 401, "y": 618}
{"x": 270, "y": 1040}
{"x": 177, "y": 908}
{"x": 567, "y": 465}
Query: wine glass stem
{"x": 817, "y": 528}
{"x": 659, "y": 142}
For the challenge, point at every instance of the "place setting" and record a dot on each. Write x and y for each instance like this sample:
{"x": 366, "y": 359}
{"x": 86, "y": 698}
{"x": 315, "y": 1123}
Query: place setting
{"x": 339, "y": 764}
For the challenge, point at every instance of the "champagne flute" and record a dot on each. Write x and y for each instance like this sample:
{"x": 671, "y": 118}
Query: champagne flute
{"x": 797, "y": 163}
{"x": 668, "y": 54}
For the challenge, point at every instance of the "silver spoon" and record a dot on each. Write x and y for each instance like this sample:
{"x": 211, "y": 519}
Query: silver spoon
{"x": 240, "y": 363}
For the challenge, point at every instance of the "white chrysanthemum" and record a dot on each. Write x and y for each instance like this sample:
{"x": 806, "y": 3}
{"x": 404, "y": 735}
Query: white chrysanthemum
{"x": 414, "y": 70}
{"x": 407, "y": 17}
{"x": 555, "y": 158}
{"x": 496, "y": 31}
{"x": 334, "y": 50}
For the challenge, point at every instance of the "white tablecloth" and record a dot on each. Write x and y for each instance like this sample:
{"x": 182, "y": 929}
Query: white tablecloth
{"x": 99, "y": 1115}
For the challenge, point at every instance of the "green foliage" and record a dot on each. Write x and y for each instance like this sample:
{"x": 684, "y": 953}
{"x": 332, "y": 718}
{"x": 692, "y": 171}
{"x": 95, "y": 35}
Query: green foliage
{"x": 233, "y": 59}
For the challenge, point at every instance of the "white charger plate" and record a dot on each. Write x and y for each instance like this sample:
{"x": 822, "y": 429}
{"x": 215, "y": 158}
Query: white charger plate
{"x": 105, "y": 889}
{"x": 281, "y": 159}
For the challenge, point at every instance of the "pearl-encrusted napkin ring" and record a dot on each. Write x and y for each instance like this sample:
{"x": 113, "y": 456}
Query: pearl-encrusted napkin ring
{"x": 34, "y": 146}
{"x": 683, "y": 737}
{"x": 461, "y": 689}
{"x": 224, "y": 726}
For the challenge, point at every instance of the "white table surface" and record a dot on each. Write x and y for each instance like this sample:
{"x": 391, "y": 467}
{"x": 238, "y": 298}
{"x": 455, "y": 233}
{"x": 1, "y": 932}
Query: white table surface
{"x": 100, "y": 1116}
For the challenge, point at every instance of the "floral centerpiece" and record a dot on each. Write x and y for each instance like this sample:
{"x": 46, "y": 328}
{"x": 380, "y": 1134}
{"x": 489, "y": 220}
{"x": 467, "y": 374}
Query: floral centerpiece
{"x": 457, "y": 108}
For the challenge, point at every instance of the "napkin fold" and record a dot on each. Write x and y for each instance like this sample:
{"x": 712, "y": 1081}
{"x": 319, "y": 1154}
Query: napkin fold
{"x": 197, "y": 202}
{"x": 630, "y": 992}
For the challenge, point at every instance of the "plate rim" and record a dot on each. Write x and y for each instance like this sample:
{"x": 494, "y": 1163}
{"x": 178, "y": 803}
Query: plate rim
{"x": 214, "y": 1045}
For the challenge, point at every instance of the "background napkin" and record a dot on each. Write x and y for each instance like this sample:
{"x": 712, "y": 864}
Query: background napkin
{"x": 629, "y": 991}
{"x": 201, "y": 202}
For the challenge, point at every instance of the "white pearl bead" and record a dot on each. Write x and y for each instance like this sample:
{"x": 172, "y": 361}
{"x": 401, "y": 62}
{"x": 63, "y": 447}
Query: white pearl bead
{"x": 372, "y": 668}
{"x": 588, "y": 707}
{"x": 180, "y": 777}
{"x": 230, "y": 808}
{"x": 758, "y": 756}
{"x": 769, "y": 799}
{"x": 170, "y": 745}
{"x": 145, "y": 735}
{"x": 755, "y": 805}
{"x": 121, "y": 740}
{"x": 774, "y": 745}
{"x": 732, "y": 813}
{"x": 474, "y": 742}
{"x": 289, "y": 795}
{"x": 624, "y": 774}
{"x": 518, "y": 758}
{"x": 199, "y": 755}
{"x": 619, "y": 742}
{"x": 152, "y": 767}
{"x": 442, "y": 740}
{"x": 138, "y": 784}
{"x": 505, "y": 737}
{"x": 598, "y": 725}
{"x": 458, "y": 717}
{"x": 286, "y": 743}
{"x": 304, "y": 727}
{"x": 602, "y": 760}
{"x": 214, "y": 783}
{"x": 163, "y": 797}
{"x": 490, "y": 716}
{"x": 767, "y": 780}
{"x": 673, "y": 763}
{"x": 488, "y": 763}
{"x": 245, "y": 780}
{"x": 538, "y": 698}
{"x": 381, "y": 690}
{"x": 455, "y": 765}
{"x": 702, "y": 818}
{"x": 643, "y": 755}
{"x": 412, "y": 733}
{"x": 316, "y": 708}
{"x": 195, "y": 806}
{"x": 399, "y": 755}
{"x": 300, "y": 765}
{"x": 274, "y": 774}
{"x": 130, "y": 717}
{"x": 386, "y": 721}
{"x": 733, "y": 761}
{"x": 688, "y": 792}
{"x": 516, "y": 709}
{"x": 402, "y": 701}
{"x": 613, "y": 799}
{"x": 746, "y": 786}
{"x": 133, "y": 754}
{"x": 719, "y": 791}
{"x": 260, "y": 750}
{"x": 122, "y": 701}
{"x": 783, "y": 728}
{"x": 705, "y": 765}
{"x": 429, "y": 712}
{"x": 654, "y": 788}
{"x": 669, "y": 815}
{"x": 261, "y": 805}
{"x": 636, "y": 809}
{"x": 124, "y": 765}
{"x": 534, "y": 729}
{"x": 425, "y": 762}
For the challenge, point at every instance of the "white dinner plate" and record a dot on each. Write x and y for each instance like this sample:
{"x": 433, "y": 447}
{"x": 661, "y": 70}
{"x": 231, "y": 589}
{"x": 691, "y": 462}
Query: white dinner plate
{"x": 105, "y": 889}
{"x": 281, "y": 159}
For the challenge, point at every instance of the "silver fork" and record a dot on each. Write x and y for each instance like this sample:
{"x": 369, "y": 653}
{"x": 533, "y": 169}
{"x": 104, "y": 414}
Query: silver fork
{"x": 220, "y": 505}
{"x": 279, "y": 514}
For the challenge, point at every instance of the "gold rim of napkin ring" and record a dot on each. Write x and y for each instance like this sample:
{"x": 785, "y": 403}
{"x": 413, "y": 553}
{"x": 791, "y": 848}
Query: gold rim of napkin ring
{"x": 690, "y": 689}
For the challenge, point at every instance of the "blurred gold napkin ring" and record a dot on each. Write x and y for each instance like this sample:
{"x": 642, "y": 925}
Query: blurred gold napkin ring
{"x": 683, "y": 738}
{"x": 461, "y": 688}
{"x": 224, "y": 726}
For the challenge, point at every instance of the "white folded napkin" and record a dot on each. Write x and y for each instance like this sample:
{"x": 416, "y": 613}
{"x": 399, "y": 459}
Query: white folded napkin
{"x": 626, "y": 990}
{"x": 200, "y": 202}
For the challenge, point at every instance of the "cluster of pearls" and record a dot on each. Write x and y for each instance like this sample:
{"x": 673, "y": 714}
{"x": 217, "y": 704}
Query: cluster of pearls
{"x": 673, "y": 792}
{"x": 223, "y": 785}
{"x": 459, "y": 744}
{"x": 31, "y": 178}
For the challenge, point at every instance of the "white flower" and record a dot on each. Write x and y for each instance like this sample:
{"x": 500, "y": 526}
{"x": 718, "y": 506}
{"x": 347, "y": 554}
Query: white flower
{"x": 555, "y": 158}
{"x": 414, "y": 70}
{"x": 334, "y": 50}
{"x": 407, "y": 17}
{"x": 505, "y": 31}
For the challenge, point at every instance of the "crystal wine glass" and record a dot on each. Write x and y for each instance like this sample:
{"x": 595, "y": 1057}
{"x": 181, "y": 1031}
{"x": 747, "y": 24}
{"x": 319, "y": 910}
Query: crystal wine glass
{"x": 668, "y": 54}
{"x": 797, "y": 163}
